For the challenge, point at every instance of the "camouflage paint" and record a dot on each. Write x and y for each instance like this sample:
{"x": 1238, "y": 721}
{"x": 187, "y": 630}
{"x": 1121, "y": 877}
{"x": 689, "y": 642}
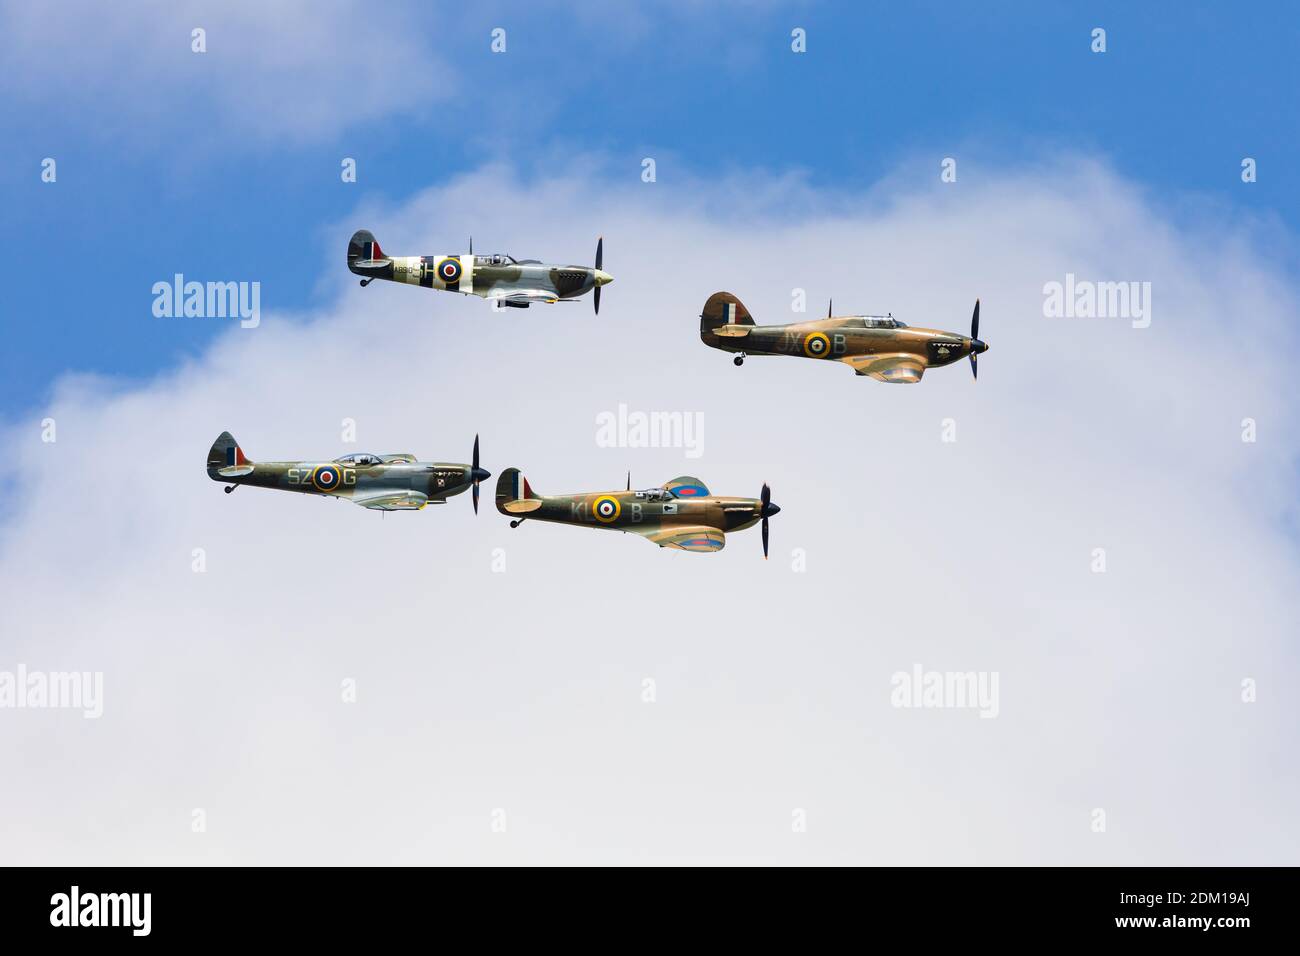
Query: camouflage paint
{"x": 393, "y": 483}
{"x": 873, "y": 345}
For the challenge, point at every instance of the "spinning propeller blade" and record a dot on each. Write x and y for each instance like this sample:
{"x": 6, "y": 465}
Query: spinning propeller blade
{"x": 766, "y": 509}
{"x": 600, "y": 258}
{"x": 476, "y": 473}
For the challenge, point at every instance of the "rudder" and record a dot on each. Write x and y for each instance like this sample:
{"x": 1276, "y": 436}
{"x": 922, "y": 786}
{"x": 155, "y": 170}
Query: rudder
{"x": 723, "y": 308}
{"x": 226, "y": 459}
{"x": 363, "y": 250}
{"x": 514, "y": 495}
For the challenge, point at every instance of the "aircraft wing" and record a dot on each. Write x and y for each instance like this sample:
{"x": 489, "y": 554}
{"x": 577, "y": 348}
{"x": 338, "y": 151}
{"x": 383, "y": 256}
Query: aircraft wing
{"x": 888, "y": 367}
{"x": 392, "y": 500}
{"x": 699, "y": 538}
{"x": 524, "y": 295}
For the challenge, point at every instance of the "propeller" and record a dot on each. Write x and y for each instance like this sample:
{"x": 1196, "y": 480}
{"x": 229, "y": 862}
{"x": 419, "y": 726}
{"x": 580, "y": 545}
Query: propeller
{"x": 976, "y": 346}
{"x": 600, "y": 258}
{"x": 477, "y": 474}
{"x": 766, "y": 510}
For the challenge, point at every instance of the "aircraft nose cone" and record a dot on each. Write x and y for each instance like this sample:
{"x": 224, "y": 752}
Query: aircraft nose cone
{"x": 978, "y": 346}
{"x": 480, "y": 474}
{"x": 772, "y": 510}
{"x": 603, "y": 277}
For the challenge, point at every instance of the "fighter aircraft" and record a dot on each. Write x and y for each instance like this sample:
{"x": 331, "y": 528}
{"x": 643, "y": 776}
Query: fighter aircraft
{"x": 683, "y": 514}
{"x": 497, "y": 278}
{"x": 379, "y": 482}
{"x": 875, "y": 345}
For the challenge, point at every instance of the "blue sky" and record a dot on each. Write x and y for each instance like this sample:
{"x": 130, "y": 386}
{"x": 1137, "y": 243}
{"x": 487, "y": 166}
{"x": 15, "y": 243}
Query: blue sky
{"x": 151, "y": 183}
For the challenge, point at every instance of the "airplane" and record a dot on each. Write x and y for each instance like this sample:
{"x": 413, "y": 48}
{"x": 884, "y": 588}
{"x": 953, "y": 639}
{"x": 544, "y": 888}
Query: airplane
{"x": 876, "y": 345}
{"x": 683, "y": 514}
{"x": 513, "y": 283}
{"x": 378, "y": 482}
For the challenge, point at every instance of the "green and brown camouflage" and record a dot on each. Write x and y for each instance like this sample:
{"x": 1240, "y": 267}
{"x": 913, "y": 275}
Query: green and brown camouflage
{"x": 516, "y": 283}
{"x": 378, "y": 482}
{"x": 682, "y": 514}
{"x": 876, "y": 345}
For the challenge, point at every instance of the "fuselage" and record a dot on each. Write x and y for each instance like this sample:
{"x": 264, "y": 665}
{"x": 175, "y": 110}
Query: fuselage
{"x": 840, "y": 337}
{"x": 484, "y": 276}
{"x": 436, "y": 480}
{"x": 639, "y": 510}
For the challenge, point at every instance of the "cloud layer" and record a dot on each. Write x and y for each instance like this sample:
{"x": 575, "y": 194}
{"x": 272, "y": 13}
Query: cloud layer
{"x": 522, "y": 690}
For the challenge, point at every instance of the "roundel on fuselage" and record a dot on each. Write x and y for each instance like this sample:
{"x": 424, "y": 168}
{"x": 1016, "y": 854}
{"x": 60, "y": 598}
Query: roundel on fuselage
{"x": 449, "y": 270}
{"x": 606, "y": 509}
{"x": 816, "y": 345}
{"x": 326, "y": 478}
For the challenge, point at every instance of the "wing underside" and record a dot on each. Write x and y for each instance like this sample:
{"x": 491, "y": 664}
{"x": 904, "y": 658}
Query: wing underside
{"x": 524, "y": 295}
{"x": 899, "y": 367}
{"x": 392, "y": 501}
{"x": 701, "y": 539}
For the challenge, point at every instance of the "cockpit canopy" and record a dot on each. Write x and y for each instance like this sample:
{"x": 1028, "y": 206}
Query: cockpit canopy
{"x": 360, "y": 459}
{"x": 654, "y": 494}
{"x": 496, "y": 259}
{"x": 881, "y": 322}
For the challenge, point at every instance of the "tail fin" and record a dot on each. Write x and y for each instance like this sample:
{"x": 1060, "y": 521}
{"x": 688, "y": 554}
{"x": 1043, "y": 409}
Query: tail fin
{"x": 723, "y": 309}
{"x": 226, "y": 459}
{"x": 514, "y": 494}
{"x": 364, "y": 251}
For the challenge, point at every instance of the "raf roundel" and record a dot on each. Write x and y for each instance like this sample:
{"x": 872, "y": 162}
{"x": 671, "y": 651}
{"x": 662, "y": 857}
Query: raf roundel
{"x": 689, "y": 491}
{"x": 606, "y": 509}
{"x": 449, "y": 271}
{"x": 325, "y": 478}
{"x": 817, "y": 345}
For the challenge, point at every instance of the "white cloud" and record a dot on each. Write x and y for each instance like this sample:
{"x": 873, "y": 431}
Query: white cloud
{"x": 522, "y": 690}
{"x": 295, "y": 70}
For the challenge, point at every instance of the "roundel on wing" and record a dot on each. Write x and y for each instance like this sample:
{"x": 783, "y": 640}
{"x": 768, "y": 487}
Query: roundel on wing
{"x": 690, "y": 491}
{"x": 606, "y": 509}
{"x": 816, "y": 345}
{"x": 449, "y": 270}
{"x": 325, "y": 478}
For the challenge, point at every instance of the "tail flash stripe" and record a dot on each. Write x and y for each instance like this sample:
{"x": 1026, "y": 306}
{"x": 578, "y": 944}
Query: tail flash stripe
{"x": 230, "y": 455}
{"x": 730, "y": 312}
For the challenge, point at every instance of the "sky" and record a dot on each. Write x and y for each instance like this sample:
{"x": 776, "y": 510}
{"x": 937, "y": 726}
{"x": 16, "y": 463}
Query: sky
{"x": 500, "y": 675}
